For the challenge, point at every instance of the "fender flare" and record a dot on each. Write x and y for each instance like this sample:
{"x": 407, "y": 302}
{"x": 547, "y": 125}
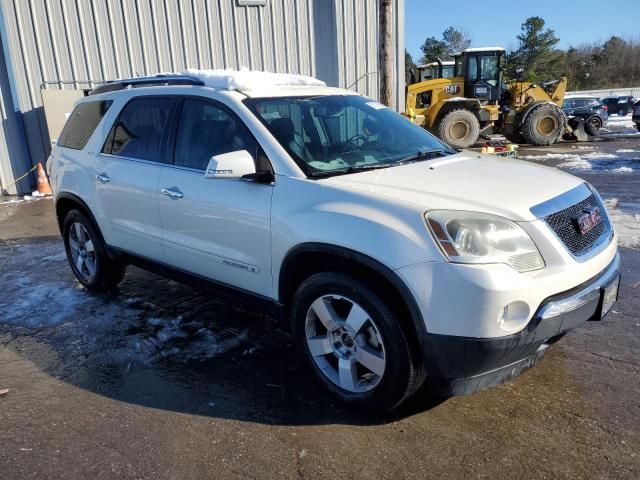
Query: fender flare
{"x": 83, "y": 205}
{"x": 343, "y": 252}
{"x": 449, "y": 104}
{"x": 525, "y": 112}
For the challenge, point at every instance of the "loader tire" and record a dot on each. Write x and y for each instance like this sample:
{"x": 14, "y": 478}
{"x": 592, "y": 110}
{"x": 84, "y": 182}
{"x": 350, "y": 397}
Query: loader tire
{"x": 544, "y": 125}
{"x": 459, "y": 128}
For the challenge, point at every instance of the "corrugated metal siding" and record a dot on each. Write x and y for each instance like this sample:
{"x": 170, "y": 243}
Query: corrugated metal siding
{"x": 95, "y": 40}
{"x": 612, "y": 92}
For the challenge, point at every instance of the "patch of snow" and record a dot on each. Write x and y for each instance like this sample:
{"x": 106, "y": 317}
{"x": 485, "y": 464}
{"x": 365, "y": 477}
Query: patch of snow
{"x": 593, "y": 161}
{"x": 599, "y": 156}
{"x": 626, "y": 150}
{"x": 245, "y": 79}
{"x": 35, "y": 196}
{"x": 548, "y": 156}
{"x": 626, "y": 224}
{"x": 111, "y": 328}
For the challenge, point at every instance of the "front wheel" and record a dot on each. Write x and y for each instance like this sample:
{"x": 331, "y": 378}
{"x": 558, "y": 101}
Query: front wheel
{"x": 459, "y": 128}
{"x": 87, "y": 254}
{"x": 354, "y": 342}
{"x": 544, "y": 125}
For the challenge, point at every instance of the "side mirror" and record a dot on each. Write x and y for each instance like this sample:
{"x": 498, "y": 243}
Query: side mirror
{"x": 230, "y": 165}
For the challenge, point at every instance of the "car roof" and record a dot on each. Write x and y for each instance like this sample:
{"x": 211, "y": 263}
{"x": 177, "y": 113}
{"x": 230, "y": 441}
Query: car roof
{"x": 250, "y": 83}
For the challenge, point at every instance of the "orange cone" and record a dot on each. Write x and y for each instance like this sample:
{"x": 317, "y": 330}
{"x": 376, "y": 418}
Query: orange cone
{"x": 43, "y": 184}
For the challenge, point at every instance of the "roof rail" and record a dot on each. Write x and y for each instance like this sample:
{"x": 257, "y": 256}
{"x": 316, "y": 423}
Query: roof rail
{"x": 156, "y": 80}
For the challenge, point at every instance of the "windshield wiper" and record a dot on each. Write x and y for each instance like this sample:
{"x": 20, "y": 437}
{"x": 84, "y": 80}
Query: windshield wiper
{"x": 417, "y": 157}
{"x": 423, "y": 155}
{"x": 351, "y": 169}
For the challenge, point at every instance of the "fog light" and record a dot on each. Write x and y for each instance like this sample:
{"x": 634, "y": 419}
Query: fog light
{"x": 514, "y": 316}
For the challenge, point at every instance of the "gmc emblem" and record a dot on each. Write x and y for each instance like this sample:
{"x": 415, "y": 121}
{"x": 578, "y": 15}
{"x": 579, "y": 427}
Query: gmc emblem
{"x": 588, "y": 219}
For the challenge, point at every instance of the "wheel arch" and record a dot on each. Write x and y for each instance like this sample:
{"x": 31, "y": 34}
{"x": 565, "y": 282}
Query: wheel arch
{"x": 305, "y": 259}
{"x": 65, "y": 202}
{"x": 524, "y": 113}
{"x": 473, "y": 105}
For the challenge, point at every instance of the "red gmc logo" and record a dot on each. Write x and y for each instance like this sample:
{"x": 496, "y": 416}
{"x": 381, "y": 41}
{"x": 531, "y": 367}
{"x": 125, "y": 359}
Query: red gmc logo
{"x": 588, "y": 219}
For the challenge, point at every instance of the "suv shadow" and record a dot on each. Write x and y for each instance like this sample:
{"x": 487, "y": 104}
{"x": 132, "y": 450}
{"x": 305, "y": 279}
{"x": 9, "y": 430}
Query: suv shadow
{"x": 160, "y": 344}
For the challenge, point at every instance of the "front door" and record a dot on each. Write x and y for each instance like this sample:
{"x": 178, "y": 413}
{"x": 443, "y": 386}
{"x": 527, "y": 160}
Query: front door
{"x": 127, "y": 173}
{"x": 217, "y": 228}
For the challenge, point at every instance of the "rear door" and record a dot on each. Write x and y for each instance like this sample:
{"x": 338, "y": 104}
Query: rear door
{"x": 216, "y": 228}
{"x": 127, "y": 173}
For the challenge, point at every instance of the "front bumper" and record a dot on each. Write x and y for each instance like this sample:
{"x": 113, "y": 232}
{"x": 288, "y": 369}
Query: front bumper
{"x": 464, "y": 365}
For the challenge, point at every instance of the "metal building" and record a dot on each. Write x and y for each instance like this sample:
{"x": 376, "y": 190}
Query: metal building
{"x": 71, "y": 45}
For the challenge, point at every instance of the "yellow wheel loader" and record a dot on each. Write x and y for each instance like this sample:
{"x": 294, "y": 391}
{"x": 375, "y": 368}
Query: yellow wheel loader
{"x": 476, "y": 101}
{"x": 432, "y": 70}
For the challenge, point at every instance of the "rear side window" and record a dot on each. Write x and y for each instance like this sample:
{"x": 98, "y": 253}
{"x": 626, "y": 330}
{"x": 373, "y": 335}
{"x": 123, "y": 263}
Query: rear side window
{"x": 140, "y": 128}
{"x": 82, "y": 123}
{"x": 206, "y": 130}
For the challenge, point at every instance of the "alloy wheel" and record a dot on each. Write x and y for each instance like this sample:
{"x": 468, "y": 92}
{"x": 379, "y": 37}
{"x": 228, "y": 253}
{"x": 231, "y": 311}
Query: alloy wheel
{"x": 82, "y": 251}
{"x": 345, "y": 343}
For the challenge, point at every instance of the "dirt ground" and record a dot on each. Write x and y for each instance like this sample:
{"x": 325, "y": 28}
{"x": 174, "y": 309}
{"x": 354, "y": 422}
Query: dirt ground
{"x": 159, "y": 380}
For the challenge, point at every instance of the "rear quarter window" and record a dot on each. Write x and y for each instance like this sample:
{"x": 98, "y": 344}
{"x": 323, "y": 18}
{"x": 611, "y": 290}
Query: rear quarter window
{"x": 140, "y": 128}
{"x": 82, "y": 123}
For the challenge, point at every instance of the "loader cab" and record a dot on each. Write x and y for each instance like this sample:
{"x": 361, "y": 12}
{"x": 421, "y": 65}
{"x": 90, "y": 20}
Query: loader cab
{"x": 433, "y": 70}
{"x": 481, "y": 69}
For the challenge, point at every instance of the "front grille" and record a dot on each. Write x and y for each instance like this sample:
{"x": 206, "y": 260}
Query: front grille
{"x": 563, "y": 224}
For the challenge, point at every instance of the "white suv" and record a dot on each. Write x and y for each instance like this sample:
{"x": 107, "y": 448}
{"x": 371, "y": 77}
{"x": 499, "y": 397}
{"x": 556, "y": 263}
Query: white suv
{"x": 395, "y": 258}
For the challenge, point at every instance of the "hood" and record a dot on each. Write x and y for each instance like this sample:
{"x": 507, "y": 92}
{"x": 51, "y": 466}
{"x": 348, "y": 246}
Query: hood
{"x": 466, "y": 181}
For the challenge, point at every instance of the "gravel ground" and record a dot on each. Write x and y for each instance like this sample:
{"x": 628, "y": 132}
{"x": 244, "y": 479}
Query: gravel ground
{"x": 159, "y": 380}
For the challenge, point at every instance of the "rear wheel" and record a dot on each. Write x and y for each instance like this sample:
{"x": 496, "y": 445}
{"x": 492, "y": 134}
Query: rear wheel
{"x": 622, "y": 112}
{"x": 354, "y": 342}
{"x": 459, "y": 128}
{"x": 87, "y": 254}
{"x": 544, "y": 125}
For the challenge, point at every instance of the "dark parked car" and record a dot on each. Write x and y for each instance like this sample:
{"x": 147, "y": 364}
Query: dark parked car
{"x": 636, "y": 114}
{"x": 619, "y": 105}
{"x": 591, "y": 109}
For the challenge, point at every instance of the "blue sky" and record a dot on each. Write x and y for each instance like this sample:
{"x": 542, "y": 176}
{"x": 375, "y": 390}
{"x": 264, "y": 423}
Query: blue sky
{"x": 497, "y": 22}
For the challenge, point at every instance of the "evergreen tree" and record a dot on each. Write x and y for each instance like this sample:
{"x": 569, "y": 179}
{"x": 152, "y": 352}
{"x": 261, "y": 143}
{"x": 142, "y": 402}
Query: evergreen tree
{"x": 536, "y": 52}
{"x": 453, "y": 41}
{"x": 408, "y": 67}
{"x": 432, "y": 48}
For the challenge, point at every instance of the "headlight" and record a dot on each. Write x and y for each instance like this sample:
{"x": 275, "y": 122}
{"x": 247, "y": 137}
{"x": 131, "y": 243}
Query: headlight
{"x": 469, "y": 237}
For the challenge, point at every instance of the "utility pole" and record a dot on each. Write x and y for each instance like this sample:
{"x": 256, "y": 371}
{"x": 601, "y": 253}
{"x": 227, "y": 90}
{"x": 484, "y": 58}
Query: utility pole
{"x": 386, "y": 53}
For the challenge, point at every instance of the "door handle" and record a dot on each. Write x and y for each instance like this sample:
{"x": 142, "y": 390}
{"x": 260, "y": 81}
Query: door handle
{"x": 172, "y": 193}
{"x": 103, "y": 178}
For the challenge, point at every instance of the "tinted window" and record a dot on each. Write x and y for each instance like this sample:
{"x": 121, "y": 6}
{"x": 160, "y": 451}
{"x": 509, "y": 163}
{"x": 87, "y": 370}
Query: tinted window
{"x": 206, "y": 130}
{"x": 473, "y": 69}
{"x": 579, "y": 102}
{"x": 139, "y": 130}
{"x": 81, "y": 124}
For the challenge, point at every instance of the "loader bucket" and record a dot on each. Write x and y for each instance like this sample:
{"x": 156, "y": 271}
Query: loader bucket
{"x": 576, "y": 130}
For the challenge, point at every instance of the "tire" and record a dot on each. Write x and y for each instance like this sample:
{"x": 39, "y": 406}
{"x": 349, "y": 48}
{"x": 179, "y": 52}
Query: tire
{"x": 544, "y": 125}
{"x": 622, "y": 112}
{"x": 593, "y": 125}
{"x": 362, "y": 326}
{"x": 87, "y": 254}
{"x": 459, "y": 128}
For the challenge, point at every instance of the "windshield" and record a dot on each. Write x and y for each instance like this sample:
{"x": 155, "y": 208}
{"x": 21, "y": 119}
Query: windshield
{"x": 333, "y": 134}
